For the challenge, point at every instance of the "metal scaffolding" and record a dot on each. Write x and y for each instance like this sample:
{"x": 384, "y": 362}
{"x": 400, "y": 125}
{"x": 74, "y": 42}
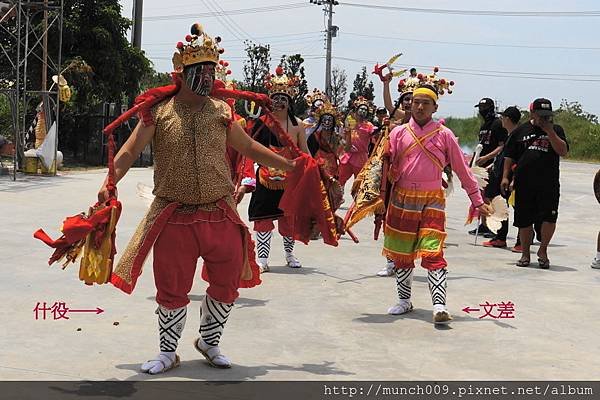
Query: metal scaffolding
{"x": 32, "y": 26}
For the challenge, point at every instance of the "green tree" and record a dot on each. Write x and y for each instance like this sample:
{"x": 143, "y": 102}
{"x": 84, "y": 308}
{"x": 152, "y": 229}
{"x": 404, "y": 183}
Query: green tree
{"x": 339, "y": 86}
{"x": 576, "y": 109}
{"x": 292, "y": 65}
{"x": 155, "y": 79}
{"x": 362, "y": 87}
{"x": 104, "y": 67}
{"x": 256, "y": 66}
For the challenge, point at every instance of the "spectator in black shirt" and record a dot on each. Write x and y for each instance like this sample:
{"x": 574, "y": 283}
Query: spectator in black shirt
{"x": 536, "y": 146}
{"x": 492, "y": 136}
{"x": 510, "y": 120}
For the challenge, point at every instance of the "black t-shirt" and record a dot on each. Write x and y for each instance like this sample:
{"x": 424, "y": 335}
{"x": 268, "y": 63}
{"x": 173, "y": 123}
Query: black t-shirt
{"x": 498, "y": 167}
{"x": 537, "y": 162}
{"x": 491, "y": 134}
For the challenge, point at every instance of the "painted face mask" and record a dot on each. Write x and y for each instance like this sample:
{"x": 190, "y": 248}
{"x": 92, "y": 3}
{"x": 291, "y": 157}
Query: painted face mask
{"x": 327, "y": 122}
{"x": 407, "y": 102}
{"x": 280, "y": 102}
{"x": 363, "y": 111}
{"x": 200, "y": 78}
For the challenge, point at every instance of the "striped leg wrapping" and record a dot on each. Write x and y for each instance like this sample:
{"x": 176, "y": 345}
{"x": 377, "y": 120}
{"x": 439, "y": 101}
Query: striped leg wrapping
{"x": 213, "y": 316}
{"x": 288, "y": 244}
{"x": 404, "y": 277}
{"x": 170, "y": 324}
{"x": 263, "y": 244}
{"x": 437, "y": 285}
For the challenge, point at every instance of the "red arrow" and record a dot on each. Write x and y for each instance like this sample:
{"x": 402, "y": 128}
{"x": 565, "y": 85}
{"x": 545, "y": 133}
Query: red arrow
{"x": 468, "y": 309}
{"x": 98, "y": 310}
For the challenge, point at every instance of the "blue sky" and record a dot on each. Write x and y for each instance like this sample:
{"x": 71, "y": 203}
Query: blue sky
{"x": 374, "y": 35}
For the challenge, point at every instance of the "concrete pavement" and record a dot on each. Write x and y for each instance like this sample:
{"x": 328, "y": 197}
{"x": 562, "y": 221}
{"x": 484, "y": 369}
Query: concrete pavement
{"x": 326, "y": 321}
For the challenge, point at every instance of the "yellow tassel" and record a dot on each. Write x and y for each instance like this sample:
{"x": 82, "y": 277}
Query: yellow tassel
{"x": 271, "y": 184}
{"x": 376, "y": 208}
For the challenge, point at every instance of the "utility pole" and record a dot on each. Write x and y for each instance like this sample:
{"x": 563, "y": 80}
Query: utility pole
{"x": 136, "y": 32}
{"x": 331, "y": 33}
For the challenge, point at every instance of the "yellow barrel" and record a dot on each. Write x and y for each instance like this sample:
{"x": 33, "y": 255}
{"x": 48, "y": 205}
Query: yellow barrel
{"x": 30, "y": 165}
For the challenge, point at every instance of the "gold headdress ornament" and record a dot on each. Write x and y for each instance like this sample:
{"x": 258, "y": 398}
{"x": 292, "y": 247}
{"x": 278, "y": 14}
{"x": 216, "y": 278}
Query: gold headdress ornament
{"x": 408, "y": 85}
{"x": 280, "y": 83}
{"x": 316, "y": 95}
{"x": 222, "y": 73}
{"x": 199, "y": 48}
{"x": 328, "y": 109}
{"x": 440, "y": 85}
{"x": 362, "y": 101}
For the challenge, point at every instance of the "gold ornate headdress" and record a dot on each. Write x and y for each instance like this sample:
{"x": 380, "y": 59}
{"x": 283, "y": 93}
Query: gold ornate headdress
{"x": 316, "y": 95}
{"x": 441, "y": 85}
{"x": 408, "y": 85}
{"x": 222, "y": 73}
{"x": 329, "y": 109}
{"x": 280, "y": 83}
{"x": 199, "y": 48}
{"x": 362, "y": 101}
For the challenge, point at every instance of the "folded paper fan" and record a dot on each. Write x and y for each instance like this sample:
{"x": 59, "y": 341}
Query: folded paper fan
{"x": 500, "y": 213}
{"x": 482, "y": 176}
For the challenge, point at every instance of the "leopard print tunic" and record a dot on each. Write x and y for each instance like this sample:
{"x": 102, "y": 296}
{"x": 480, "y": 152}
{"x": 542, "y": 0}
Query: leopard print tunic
{"x": 190, "y": 163}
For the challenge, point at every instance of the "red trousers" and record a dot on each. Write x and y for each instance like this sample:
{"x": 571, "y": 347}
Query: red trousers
{"x": 185, "y": 238}
{"x": 285, "y": 226}
{"x": 346, "y": 172}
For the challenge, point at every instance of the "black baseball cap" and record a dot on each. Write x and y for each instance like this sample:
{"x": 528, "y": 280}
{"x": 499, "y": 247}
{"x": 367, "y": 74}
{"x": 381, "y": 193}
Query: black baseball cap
{"x": 542, "y": 107}
{"x": 486, "y": 102}
{"x": 513, "y": 113}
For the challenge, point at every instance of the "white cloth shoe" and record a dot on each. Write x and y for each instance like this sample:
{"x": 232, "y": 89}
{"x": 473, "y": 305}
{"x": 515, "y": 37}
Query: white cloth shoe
{"x": 212, "y": 354}
{"x": 388, "y": 270}
{"x": 402, "y": 307}
{"x": 292, "y": 261}
{"x": 596, "y": 263}
{"x": 263, "y": 264}
{"x": 163, "y": 362}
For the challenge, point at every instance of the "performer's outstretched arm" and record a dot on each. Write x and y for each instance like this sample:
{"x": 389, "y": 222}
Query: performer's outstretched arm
{"x": 239, "y": 140}
{"x": 300, "y": 131}
{"x": 131, "y": 150}
{"x": 387, "y": 99}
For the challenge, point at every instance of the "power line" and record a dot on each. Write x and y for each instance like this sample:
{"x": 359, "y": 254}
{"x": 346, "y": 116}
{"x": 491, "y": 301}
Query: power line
{"x": 471, "y": 43}
{"x": 254, "y": 10}
{"x": 497, "y": 74}
{"x": 299, "y": 37}
{"x": 495, "y": 13}
{"x": 225, "y": 23}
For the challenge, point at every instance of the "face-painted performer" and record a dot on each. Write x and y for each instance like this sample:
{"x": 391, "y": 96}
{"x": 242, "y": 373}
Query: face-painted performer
{"x": 270, "y": 182}
{"x": 193, "y": 214}
{"x": 357, "y": 142}
{"x": 415, "y": 219}
{"x": 328, "y": 134}
{"x": 242, "y": 168}
{"x": 401, "y": 113}
{"x": 315, "y": 100}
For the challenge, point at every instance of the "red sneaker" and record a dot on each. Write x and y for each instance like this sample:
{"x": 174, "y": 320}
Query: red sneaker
{"x": 495, "y": 243}
{"x": 517, "y": 249}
